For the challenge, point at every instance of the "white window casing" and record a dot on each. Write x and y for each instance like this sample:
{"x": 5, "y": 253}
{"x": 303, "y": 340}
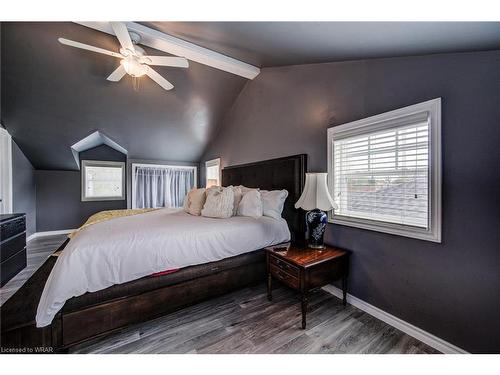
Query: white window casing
{"x": 6, "y": 200}
{"x": 102, "y": 180}
{"x": 384, "y": 172}
{"x": 212, "y": 173}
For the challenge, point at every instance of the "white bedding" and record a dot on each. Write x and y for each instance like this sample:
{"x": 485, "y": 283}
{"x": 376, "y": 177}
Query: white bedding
{"x": 128, "y": 248}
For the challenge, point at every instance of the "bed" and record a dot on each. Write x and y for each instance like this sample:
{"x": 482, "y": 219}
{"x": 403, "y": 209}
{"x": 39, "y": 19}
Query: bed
{"x": 108, "y": 309}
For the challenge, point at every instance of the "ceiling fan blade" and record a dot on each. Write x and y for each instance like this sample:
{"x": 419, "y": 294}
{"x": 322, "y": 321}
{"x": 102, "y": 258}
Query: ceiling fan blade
{"x": 117, "y": 74}
{"x": 179, "y": 62}
{"x": 159, "y": 79}
{"x": 72, "y": 43}
{"x": 123, "y": 36}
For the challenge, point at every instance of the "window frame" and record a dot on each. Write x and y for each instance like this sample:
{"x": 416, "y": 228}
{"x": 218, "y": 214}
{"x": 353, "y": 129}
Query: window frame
{"x": 213, "y": 163}
{"x": 6, "y": 172}
{"x": 101, "y": 163}
{"x": 135, "y": 165}
{"x": 390, "y": 120}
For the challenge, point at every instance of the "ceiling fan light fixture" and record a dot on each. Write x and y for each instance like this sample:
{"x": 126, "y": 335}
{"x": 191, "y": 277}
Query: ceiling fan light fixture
{"x": 133, "y": 67}
{"x": 134, "y": 60}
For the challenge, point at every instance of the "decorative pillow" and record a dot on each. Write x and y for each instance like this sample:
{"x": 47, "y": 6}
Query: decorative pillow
{"x": 219, "y": 203}
{"x": 273, "y": 202}
{"x": 194, "y": 201}
{"x": 251, "y": 204}
{"x": 245, "y": 189}
{"x": 237, "y": 198}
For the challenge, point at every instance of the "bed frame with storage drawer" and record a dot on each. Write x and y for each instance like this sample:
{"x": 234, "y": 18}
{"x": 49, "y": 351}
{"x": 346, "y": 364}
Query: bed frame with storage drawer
{"x": 100, "y": 313}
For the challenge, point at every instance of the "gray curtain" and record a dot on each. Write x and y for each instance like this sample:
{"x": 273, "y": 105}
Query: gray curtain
{"x": 162, "y": 187}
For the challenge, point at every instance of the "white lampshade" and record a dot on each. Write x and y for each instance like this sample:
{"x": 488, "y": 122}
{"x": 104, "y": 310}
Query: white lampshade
{"x": 315, "y": 194}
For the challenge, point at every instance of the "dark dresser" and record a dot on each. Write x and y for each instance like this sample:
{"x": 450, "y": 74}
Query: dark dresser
{"x": 12, "y": 245}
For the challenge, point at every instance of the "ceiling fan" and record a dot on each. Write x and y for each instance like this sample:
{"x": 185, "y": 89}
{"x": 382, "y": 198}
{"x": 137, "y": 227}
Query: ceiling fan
{"x": 134, "y": 61}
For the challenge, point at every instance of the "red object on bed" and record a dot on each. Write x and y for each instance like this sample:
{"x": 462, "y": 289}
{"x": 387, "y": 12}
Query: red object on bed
{"x": 162, "y": 273}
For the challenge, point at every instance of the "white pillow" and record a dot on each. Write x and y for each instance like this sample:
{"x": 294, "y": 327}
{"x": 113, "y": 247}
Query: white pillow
{"x": 251, "y": 204}
{"x": 245, "y": 189}
{"x": 237, "y": 198}
{"x": 194, "y": 201}
{"x": 273, "y": 202}
{"x": 219, "y": 202}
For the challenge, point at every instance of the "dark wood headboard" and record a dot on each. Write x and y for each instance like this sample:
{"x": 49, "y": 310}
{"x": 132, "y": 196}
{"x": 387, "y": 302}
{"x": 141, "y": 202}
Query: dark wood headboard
{"x": 282, "y": 173}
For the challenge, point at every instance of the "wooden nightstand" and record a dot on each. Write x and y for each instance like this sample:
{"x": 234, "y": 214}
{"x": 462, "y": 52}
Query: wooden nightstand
{"x": 305, "y": 269}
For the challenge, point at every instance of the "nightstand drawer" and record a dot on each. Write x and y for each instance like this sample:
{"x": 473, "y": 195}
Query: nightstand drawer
{"x": 287, "y": 267}
{"x": 285, "y": 277}
{"x": 305, "y": 269}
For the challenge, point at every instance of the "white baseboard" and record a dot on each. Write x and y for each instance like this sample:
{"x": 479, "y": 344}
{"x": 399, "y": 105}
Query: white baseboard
{"x": 426, "y": 337}
{"x": 49, "y": 233}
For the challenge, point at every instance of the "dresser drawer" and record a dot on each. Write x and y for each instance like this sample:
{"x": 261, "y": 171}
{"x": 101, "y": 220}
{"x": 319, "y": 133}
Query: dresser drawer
{"x": 285, "y": 266}
{"x": 285, "y": 277}
{"x": 12, "y": 227}
{"x": 11, "y": 246}
{"x": 11, "y": 267}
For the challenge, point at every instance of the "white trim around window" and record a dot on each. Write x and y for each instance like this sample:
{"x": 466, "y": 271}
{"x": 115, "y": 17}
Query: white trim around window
{"x": 6, "y": 191}
{"x": 104, "y": 164}
{"x": 430, "y": 113}
{"x": 210, "y": 164}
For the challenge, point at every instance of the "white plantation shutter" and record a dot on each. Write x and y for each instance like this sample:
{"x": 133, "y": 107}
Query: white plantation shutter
{"x": 385, "y": 172}
{"x": 384, "y": 175}
{"x": 103, "y": 180}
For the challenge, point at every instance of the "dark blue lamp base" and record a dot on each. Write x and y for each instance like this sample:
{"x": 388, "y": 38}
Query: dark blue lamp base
{"x": 316, "y": 225}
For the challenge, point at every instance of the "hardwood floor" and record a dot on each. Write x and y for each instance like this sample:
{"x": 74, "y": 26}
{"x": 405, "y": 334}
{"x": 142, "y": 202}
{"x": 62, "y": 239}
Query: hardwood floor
{"x": 38, "y": 250}
{"x": 243, "y": 322}
{"x": 246, "y": 322}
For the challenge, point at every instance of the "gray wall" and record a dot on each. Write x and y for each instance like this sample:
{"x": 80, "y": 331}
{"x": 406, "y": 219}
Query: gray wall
{"x": 59, "y": 205}
{"x": 59, "y": 192}
{"x": 449, "y": 289}
{"x": 23, "y": 188}
{"x": 58, "y": 95}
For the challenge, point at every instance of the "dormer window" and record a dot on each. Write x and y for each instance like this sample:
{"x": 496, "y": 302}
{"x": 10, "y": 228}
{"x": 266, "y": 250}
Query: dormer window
{"x": 103, "y": 180}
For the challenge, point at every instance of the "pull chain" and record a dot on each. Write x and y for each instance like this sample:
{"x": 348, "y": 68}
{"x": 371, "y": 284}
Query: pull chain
{"x": 136, "y": 83}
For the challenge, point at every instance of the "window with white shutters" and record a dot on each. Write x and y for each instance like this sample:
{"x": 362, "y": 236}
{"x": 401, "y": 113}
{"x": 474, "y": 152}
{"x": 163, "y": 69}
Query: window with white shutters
{"x": 384, "y": 172}
{"x": 103, "y": 180}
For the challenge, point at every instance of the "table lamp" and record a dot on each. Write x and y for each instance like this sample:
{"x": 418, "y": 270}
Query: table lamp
{"x": 316, "y": 199}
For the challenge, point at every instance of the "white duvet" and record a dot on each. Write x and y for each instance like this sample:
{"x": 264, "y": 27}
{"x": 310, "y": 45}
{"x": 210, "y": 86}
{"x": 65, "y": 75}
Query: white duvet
{"x": 128, "y": 248}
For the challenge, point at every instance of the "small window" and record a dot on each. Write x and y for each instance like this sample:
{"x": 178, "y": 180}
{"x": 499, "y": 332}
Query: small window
{"x": 103, "y": 180}
{"x": 385, "y": 172}
{"x": 212, "y": 172}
